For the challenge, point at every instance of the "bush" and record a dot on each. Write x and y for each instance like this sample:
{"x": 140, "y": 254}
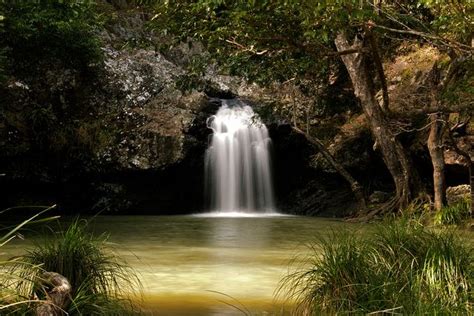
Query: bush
{"x": 399, "y": 267}
{"x": 454, "y": 214}
{"x": 49, "y": 32}
{"x": 101, "y": 283}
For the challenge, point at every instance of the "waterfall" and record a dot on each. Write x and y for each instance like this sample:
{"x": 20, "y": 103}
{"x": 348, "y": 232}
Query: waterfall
{"x": 237, "y": 163}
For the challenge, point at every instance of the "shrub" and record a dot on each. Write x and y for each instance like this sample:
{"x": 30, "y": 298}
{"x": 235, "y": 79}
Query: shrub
{"x": 401, "y": 267}
{"x": 48, "y": 32}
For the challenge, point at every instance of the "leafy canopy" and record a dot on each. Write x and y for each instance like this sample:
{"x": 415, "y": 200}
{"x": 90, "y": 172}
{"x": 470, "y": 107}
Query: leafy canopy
{"x": 282, "y": 39}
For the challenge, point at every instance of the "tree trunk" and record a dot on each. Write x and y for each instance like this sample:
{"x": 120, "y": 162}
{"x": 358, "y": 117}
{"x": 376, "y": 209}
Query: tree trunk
{"x": 398, "y": 163}
{"x": 435, "y": 147}
{"x": 58, "y": 294}
{"x": 379, "y": 66}
{"x": 356, "y": 188}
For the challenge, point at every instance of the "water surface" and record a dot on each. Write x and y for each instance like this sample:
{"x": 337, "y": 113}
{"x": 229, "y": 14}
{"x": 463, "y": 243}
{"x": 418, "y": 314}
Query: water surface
{"x": 193, "y": 265}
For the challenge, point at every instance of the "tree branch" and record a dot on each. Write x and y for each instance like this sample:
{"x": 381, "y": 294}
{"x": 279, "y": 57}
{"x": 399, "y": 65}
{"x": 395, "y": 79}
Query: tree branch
{"x": 445, "y": 41}
{"x": 355, "y": 186}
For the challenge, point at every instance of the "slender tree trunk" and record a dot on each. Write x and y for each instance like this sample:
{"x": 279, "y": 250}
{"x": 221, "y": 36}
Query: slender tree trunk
{"x": 356, "y": 188}
{"x": 379, "y": 66}
{"x": 435, "y": 147}
{"x": 398, "y": 163}
{"x": 438, "y": 127}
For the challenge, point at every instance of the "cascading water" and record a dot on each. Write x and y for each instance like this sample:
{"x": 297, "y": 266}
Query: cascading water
{"x": 237, "y": 165}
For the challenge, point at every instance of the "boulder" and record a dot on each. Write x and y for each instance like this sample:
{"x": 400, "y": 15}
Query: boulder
{"x": 458, "y": 193}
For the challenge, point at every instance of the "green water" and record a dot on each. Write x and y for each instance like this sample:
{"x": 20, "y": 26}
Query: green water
{"x": 199, "y": 265}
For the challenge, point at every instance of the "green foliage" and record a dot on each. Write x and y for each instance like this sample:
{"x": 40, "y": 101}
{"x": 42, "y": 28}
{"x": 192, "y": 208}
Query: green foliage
{"x": 454, "y": 214}
{"x": 400, "y": 267}
{"x": 102, "y": 284}
{"x": 460, "y": 91}
{"x": 420, "y": 210}
{"x": 278, "y": 40}
{"x": 49, "y": 32}
{"x": 453, "y": 19}
{"x": 42, "y": 120}
{"x": 262, "y": 41}
{"x": 187, "y": 83}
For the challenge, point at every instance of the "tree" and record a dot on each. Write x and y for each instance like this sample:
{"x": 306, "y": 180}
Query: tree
{"x": 435, "y": 147}
{"x": 279, "y": 40}
{"x": 394, "y": 155}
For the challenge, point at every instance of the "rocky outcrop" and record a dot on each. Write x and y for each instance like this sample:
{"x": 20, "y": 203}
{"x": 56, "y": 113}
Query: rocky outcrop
{"x": 128, "y": 134}
{"x": 458, "y": 193}
{"x": 116, "y": 136}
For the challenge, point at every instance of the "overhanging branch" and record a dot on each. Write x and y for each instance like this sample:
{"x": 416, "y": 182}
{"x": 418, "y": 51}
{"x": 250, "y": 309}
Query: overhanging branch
{"x": 445, "y": 41}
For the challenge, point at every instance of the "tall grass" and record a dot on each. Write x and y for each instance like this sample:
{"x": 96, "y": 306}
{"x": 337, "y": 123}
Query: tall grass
{"x": 15, "y": 298}
{"x": 454, "y": 214}
{"x": 101, "y": 283}
{"x": 400, "y": 267}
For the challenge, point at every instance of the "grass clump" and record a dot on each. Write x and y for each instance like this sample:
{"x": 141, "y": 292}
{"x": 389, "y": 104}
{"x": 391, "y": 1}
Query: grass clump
{"x": 454, "y": 214}
{"x": 400, "y": 267}
{"x": 17, "y": 283}
{"x": 101, "y": 283}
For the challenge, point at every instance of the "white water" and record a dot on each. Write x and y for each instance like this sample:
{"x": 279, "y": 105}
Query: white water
{"x": 237, "y": 163}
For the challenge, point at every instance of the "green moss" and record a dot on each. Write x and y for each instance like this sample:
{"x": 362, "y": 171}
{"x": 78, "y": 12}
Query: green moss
{"x": 406, "y": 74}
{"x": 93, "y": 137}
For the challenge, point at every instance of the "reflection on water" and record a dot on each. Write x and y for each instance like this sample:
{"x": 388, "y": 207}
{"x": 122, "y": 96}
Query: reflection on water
{"x": 195, "y": 265}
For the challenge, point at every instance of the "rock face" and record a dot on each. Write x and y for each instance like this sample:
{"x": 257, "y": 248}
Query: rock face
{"x": 117, "y": 136}
{"x": 128, "y": 135}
